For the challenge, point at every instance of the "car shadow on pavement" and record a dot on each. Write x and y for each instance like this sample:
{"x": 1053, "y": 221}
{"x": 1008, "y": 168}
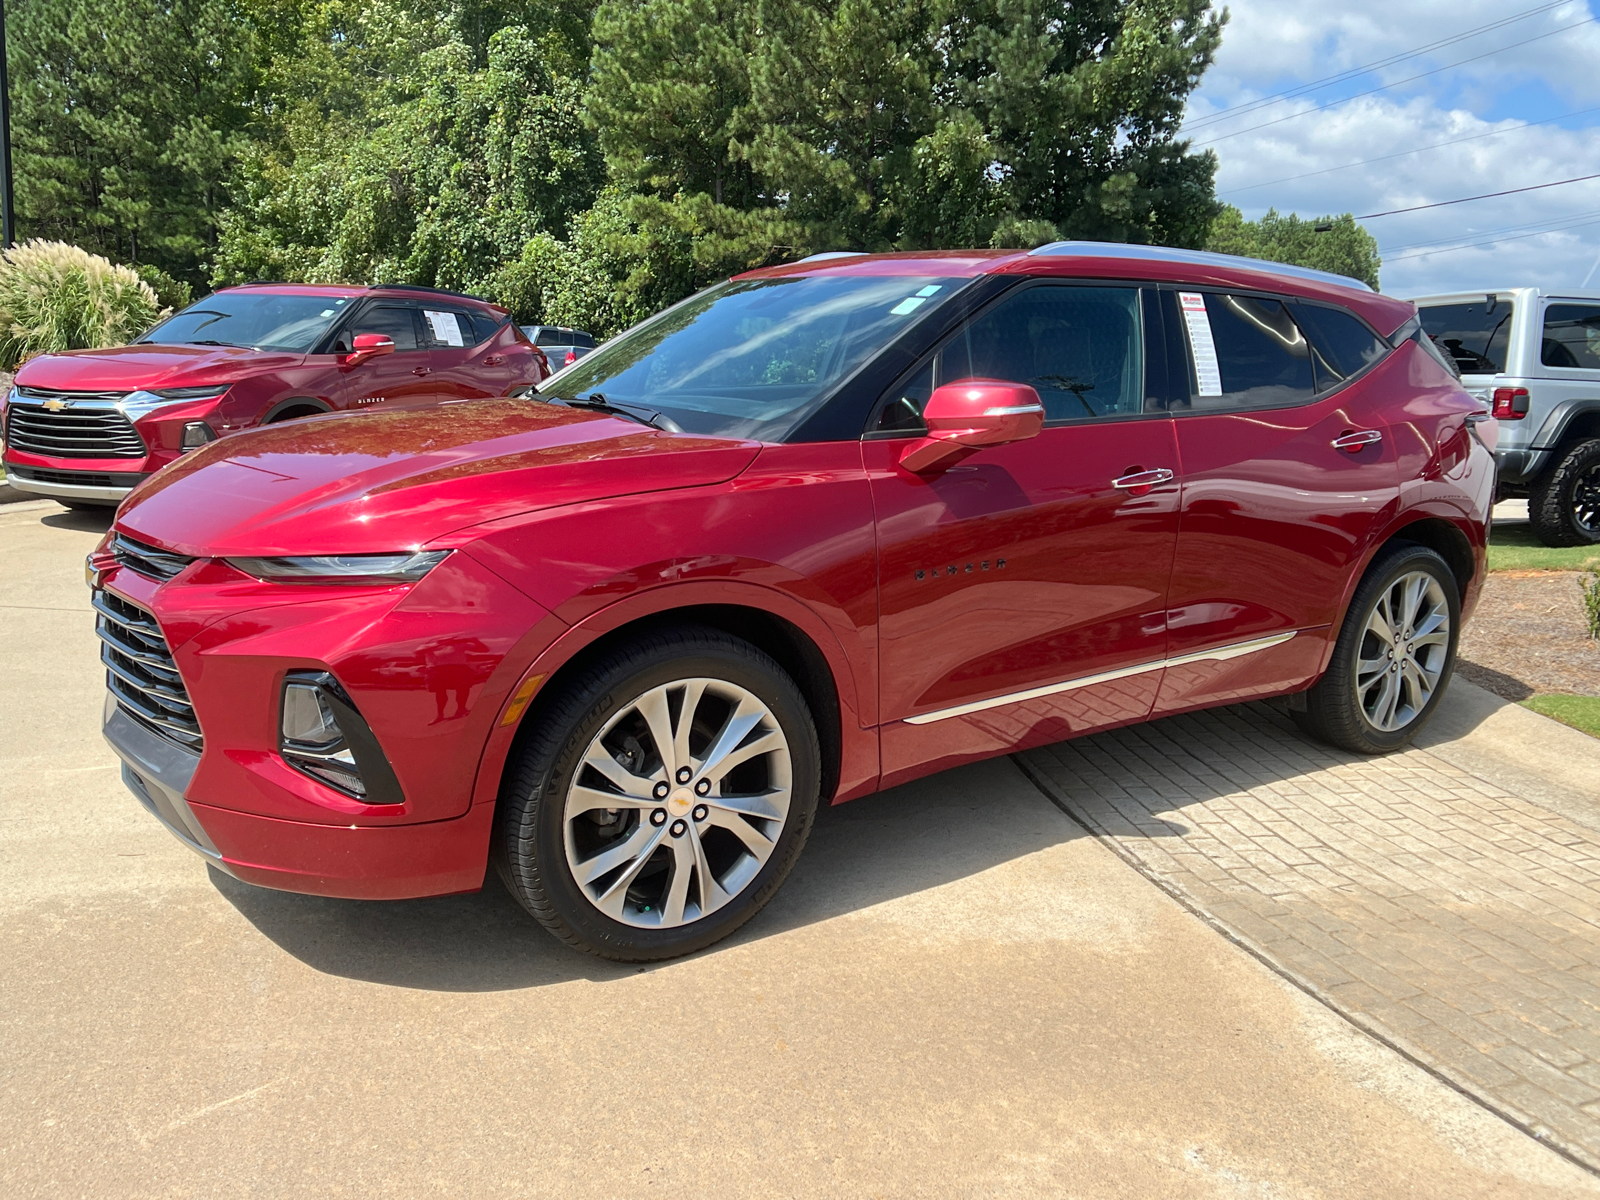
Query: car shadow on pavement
{"x": 916, "y": 837}
{"x": 84, "y": 520}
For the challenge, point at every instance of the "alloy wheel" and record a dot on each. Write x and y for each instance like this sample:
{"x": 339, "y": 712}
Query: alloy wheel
{"x": 677, "y": 803}
{"x": 1586, "y": 501}
{"x": 1403, "y": 651}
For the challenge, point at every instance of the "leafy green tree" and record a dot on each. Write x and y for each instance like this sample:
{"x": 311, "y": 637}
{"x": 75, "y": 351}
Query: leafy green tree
{"x": 1343, "y": 247}
{"x": 443, "y": 189}
{"x": 126, "y": 117}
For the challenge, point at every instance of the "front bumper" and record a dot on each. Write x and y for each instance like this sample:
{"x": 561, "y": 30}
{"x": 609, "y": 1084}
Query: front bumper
{"x": 103, "y": 487}
{"x": 352, "y": 862}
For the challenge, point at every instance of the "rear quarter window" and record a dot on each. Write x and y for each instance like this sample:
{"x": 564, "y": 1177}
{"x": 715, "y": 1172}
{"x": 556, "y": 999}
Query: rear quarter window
{"x": 1341, "y": 343}
{"x": 1475, "y": 334}
{"x": 1571, "y": 336}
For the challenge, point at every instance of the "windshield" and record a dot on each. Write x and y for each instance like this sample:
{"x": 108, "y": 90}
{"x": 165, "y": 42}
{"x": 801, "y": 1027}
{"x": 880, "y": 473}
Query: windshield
{"x": 259, "y": 320}
{"x": 749, "y": 358}
{"x": 1474, "y": 334}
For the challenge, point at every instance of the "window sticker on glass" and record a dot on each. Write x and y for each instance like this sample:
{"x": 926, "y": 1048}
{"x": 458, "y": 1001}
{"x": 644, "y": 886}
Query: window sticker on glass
{"x": 929, "y": 290}
{"x": 1208, "y": 375}
{"x": 909, "y": 304}
{"x": 446, "y": 328}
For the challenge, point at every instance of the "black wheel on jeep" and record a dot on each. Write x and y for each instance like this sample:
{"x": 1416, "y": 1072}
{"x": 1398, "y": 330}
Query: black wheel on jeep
{"x": 1564, "y": 505}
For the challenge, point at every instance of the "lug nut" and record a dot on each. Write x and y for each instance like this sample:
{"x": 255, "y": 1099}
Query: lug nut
{"x": 701, "y": 812}
{"x": 678, "y": 828}
{"x": 659, "y": 817}
{"x": 660, "y": 791}
{"x": 702, "y": 788}
{"x": 684, "y": 774}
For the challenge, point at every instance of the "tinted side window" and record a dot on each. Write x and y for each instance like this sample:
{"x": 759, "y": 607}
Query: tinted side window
{"x": 395, "y": 320}
{"x": 484, "y": 326}
{"x": 1571, "y": 336}
{"x": 1248, "y": 352}
{"x": 551, "y": 336}
{"x": 1079, "y": 347}
{"x": 580, "y": 338}
{"x": 446, "y": 328}
{"x": 1341, "y": 343}
{"x": 1474, "y": 334}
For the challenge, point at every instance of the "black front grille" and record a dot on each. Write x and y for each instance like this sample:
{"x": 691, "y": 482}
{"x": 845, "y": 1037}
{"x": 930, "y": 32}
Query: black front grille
{"x": 140, "y": 671}
{"x": 117, "y": 479}
{"x": 85, "y": 426}
{"x": 150, "y": 561}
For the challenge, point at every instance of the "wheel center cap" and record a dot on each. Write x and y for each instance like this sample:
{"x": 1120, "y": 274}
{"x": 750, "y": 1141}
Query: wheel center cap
{"x": 680, "y": 802}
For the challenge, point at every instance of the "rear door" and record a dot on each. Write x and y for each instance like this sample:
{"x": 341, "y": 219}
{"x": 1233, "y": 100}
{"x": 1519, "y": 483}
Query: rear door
{"x": 1022, "y": 590}
{"x": 468, "y": 362}
{"x": 1288, "y": 471}
{"x": 403, "y": 379}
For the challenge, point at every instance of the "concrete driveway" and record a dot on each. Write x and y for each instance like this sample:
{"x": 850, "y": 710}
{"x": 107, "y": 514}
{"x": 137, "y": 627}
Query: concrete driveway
{"x": 959, "y": 993}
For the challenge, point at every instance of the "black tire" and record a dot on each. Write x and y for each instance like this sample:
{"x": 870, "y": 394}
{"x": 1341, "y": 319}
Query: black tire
{"x": 1564, "y": 502}
{"x": 1334, "y": 711}
{"x": 530, "y": 849}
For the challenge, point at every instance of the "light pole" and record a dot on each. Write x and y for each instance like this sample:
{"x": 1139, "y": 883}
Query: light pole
{"x": 8, "y": 208}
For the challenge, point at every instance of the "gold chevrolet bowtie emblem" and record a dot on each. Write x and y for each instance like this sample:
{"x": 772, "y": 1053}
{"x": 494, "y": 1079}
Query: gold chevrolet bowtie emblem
{"x": 55, "y": 405}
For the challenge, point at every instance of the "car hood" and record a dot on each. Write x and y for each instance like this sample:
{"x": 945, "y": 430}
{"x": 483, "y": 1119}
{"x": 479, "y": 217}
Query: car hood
{"x": 377, "y": 482}
{"x": 131, "y": 368}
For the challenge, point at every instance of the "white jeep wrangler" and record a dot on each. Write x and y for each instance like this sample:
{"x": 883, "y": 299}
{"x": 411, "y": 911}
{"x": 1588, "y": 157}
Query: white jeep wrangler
{"x": 1533, "y": 356}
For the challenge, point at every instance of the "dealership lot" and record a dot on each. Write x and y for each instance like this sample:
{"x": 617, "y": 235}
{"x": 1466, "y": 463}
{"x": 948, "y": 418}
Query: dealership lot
{"x": 959, "y": 991}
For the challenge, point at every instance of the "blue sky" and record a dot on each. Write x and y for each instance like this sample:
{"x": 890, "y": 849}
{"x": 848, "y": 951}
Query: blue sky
{"x": 1479, "y": 92}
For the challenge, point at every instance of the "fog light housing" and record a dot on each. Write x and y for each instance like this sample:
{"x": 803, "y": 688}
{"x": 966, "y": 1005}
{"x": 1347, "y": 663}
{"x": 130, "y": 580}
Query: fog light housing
{"x": 195, "y": 435}
{"x": 321, "y": 734}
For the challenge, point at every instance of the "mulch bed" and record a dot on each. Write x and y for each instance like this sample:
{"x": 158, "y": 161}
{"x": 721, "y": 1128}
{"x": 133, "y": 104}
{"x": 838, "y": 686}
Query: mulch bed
{"x": 1528, "y": 636}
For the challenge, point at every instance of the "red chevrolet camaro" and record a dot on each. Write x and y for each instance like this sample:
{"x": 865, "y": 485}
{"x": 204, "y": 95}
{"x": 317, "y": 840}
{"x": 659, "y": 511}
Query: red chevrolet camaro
{"x": 816, "y": 531}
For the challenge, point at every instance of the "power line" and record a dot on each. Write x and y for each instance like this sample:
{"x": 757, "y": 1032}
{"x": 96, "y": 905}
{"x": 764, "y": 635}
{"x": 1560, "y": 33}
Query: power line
{"x": 1397, "y": 83}
{"x": 1326, "y": 81}
{"x": 1582, "y": 112}
{"x": 1541, "y": 226}
{"x": 1485, "y": 196}
{"x": 1491, "y": 242}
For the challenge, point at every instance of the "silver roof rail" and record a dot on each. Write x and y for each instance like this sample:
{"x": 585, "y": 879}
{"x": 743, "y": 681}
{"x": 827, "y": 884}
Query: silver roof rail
{"x": 1199, "y": 258}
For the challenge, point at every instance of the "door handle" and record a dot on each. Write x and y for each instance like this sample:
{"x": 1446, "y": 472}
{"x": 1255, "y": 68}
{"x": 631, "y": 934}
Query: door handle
{"x": 1351, "y": 443}
{"x": 494, "y": 360}
{"x": 1139, "y": 483}
{"x": 421, "y": 370}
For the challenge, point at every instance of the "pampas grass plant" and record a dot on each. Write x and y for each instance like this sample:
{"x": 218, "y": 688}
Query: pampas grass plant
{"x": 54, "y": 296}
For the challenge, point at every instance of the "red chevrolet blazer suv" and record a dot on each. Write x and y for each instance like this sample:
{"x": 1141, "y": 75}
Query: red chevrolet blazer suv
{"x": 818, "y": 530}
{"x": 87, "y": 426}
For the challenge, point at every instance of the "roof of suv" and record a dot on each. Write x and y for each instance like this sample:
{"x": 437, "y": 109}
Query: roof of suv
{"x": 1113, "y": 260}
{"x": 353, "y": 290}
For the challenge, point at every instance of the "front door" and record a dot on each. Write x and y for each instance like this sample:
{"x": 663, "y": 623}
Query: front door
{"x": 402, "y": 379}
{"x": 1288, "y": 471}
{"x": 1022, "y": 590}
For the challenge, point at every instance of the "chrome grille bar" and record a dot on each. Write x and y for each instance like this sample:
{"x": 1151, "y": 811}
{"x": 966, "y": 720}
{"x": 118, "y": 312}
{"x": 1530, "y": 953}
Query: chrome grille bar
{"x": 150, "y": 561}
{"x": 140, "y": 671}
{"x": 88, "y": 433}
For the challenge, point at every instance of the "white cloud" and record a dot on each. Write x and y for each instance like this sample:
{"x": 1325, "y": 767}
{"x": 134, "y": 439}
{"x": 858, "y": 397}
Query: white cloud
{"x": 1268, "y": 47}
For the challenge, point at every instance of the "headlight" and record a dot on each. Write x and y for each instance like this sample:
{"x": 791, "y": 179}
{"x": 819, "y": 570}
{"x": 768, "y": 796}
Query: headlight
{"x": 136, "y": 404}
{"x": 407, "y": 566}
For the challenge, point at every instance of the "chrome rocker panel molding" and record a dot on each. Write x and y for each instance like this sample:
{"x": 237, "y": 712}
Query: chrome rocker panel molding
{"x": 1216, "y": 654}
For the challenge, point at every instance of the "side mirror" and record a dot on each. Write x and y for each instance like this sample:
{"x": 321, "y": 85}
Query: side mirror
{"x": 971, "y": 415}
{"x": 368, "y": 345}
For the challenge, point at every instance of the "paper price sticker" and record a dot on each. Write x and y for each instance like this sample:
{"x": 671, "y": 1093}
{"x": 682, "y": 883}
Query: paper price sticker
{"x": 446, "y": 327}
{"x": 1207, "y": 372}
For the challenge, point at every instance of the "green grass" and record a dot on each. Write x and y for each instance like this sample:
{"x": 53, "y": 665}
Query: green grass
{"x": 1581, "y": 712}
{"x": 1514, "y": 548}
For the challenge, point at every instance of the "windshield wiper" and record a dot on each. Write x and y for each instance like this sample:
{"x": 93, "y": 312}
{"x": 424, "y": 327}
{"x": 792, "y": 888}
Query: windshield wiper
{"x": 213, "y": 342}
{"x": 596, "y": 402}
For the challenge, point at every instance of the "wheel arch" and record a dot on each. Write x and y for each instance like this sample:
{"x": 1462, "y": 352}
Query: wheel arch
{"x": 283, "y": 408}
{"x": 792, "y": 647}
{"x": 1567, "y": 422}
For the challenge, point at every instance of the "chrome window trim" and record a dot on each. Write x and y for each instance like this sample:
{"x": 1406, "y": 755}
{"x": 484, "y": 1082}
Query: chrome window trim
{"x": 1215, "y": 654}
